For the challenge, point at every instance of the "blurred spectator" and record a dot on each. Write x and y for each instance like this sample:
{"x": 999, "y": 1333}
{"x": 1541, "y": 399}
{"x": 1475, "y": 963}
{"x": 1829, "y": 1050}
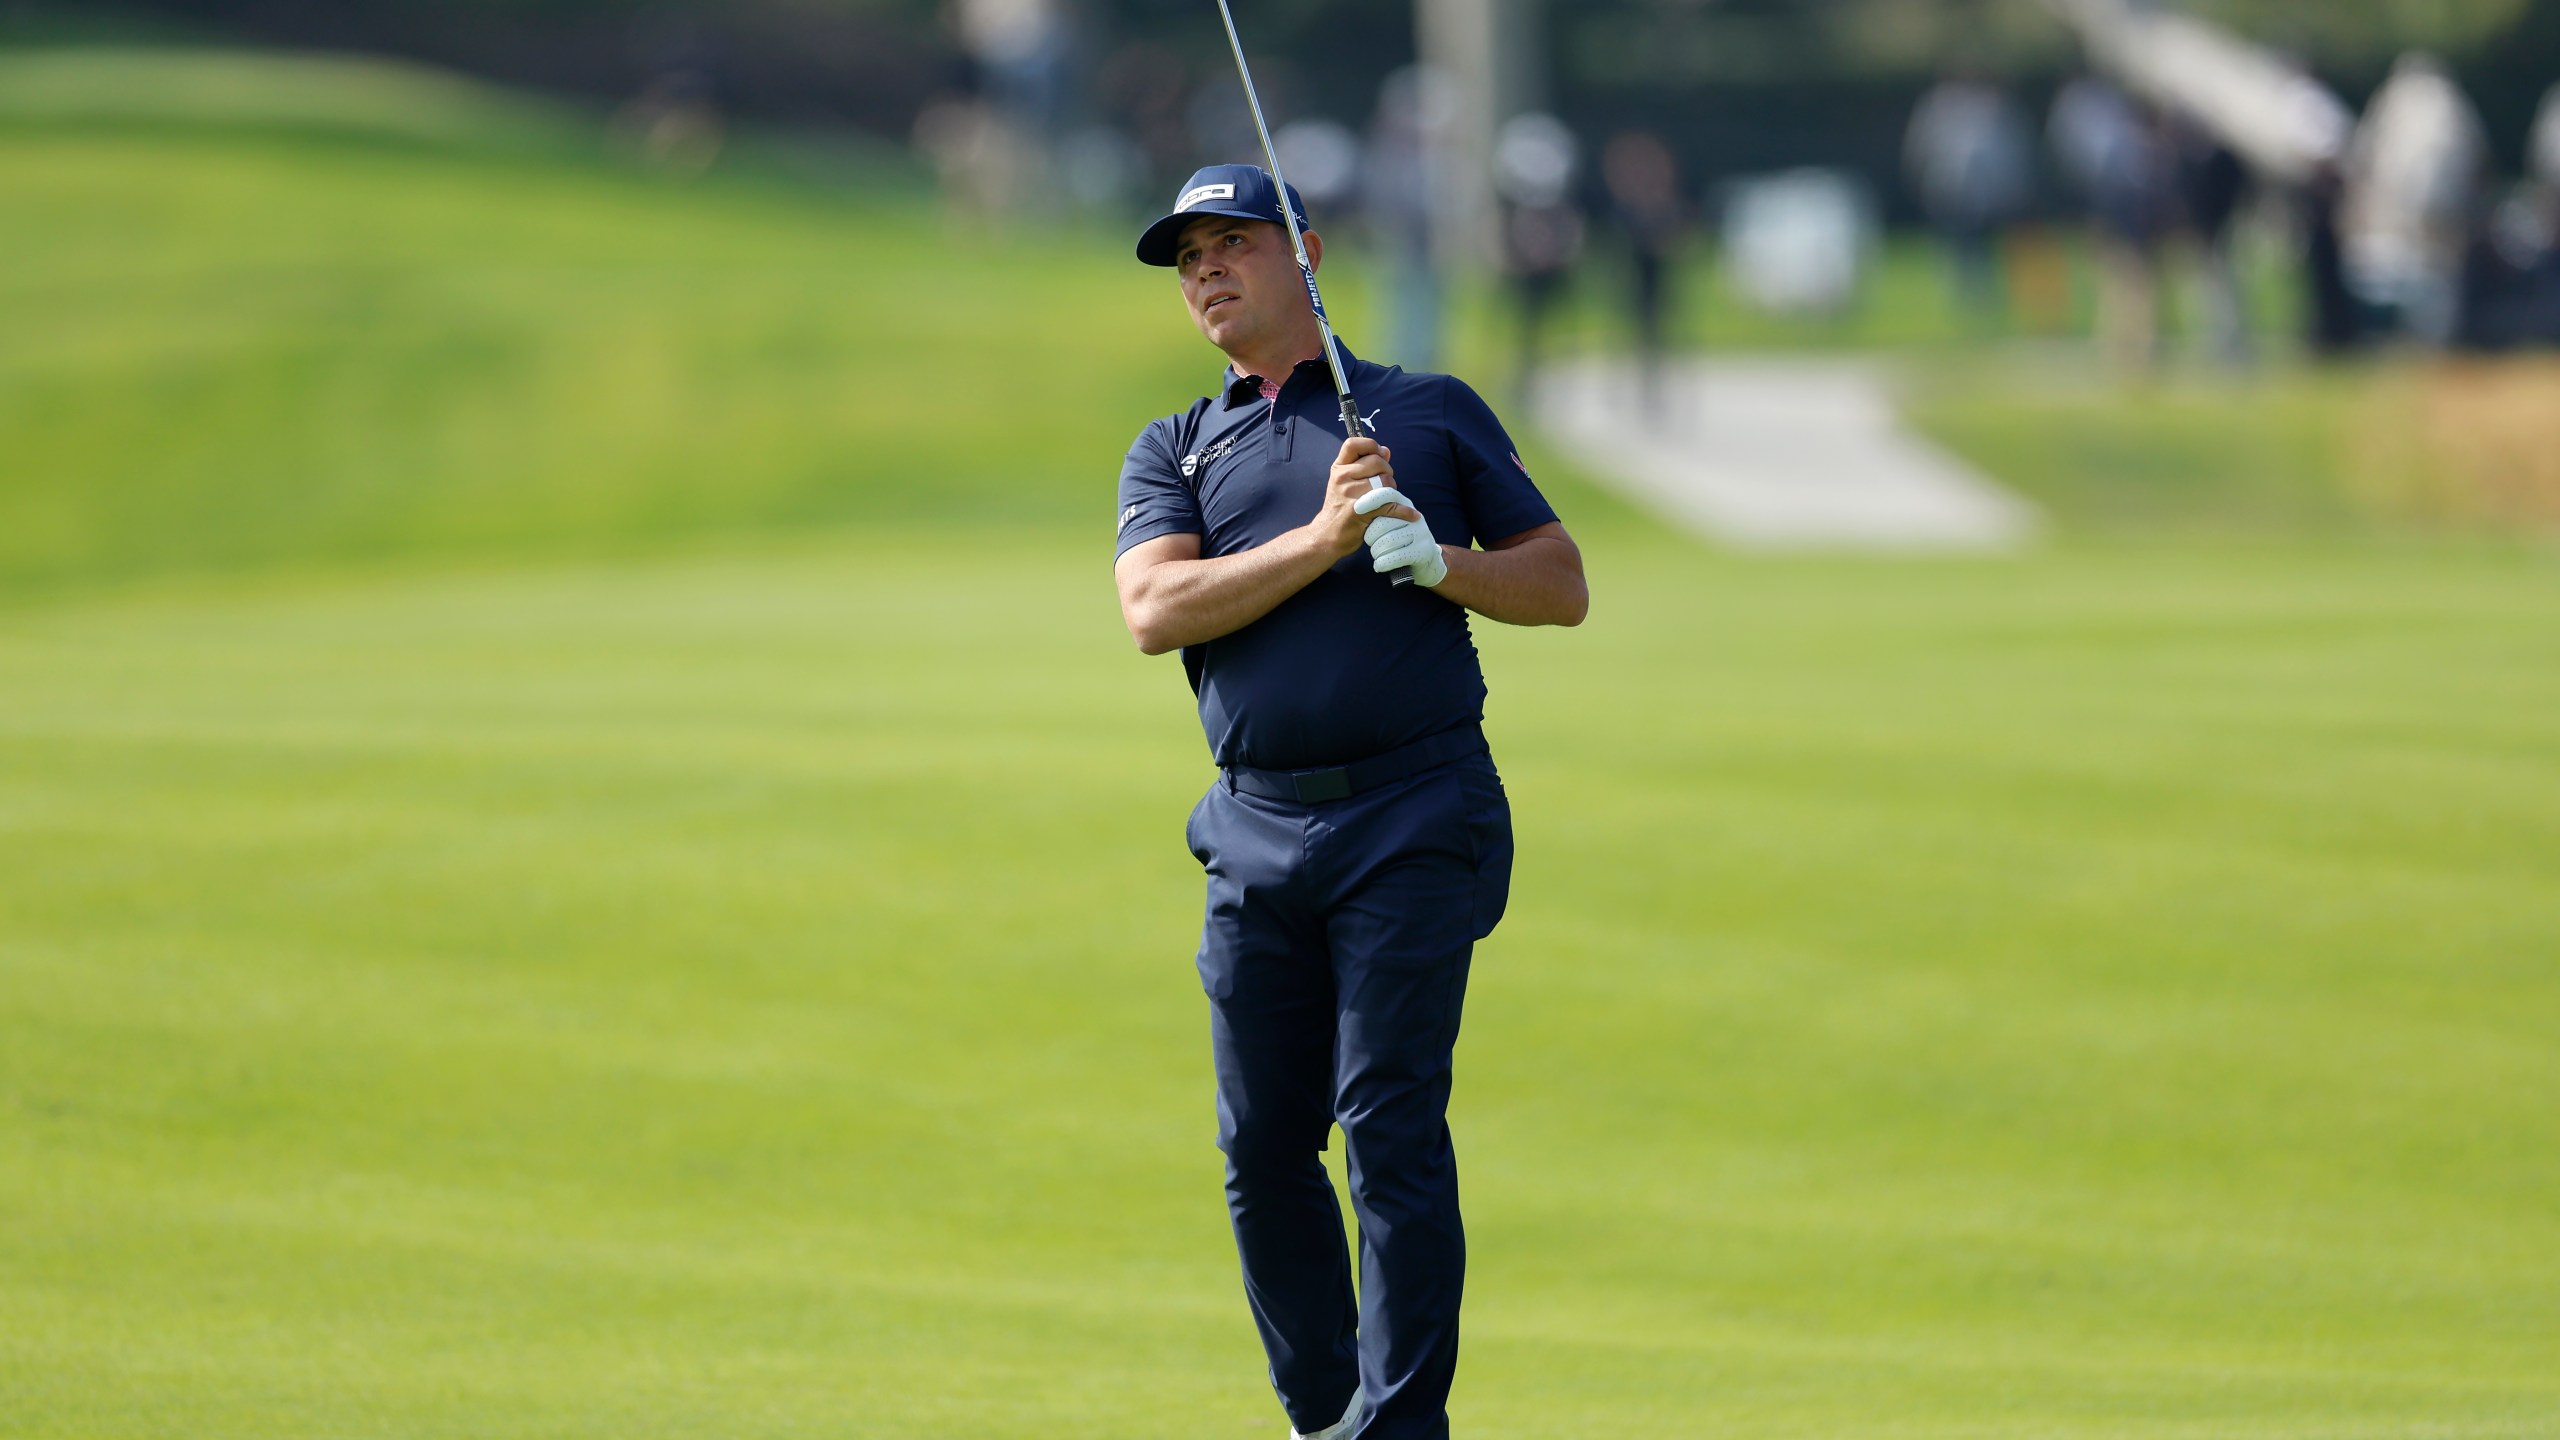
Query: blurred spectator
{"x": 1643, "y": 181}
{"x": 2412, "y": 191}
{"x": 1020, "y": 47}
{"x": 1102, "y": 170}
{"x": 2335, "y": 320}
{"x": 2536, "y": 223}
{"x": 1022, "y": 50}
{"x": 2309, "y": 150}
{"x": 973, "y": 156}
{"x": 2041, "y": 288}
{"x": 1219, "y": 121}
{"x": 2213, "y": 185}
{"x": 2525, "y": 228}
{"x": 1967, "y": 153}
{"x": 673, "y": 124}
{"x": 2511, "y": 278}
{"x": 1322, "y": 159}
{"x": 1534, "y": 158}
{"x": 1144, "y": 89}
{"x": 2545, "y": 146}
{"x": 1399, "y": 188}
{"x": 2089, "y": 123}
{"x": 2114, "y": 150}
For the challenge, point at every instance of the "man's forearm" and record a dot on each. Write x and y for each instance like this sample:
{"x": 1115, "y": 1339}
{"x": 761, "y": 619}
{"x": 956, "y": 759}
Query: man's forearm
{"x": 1191, "y": 602}
{"x": 1536, "y": 582}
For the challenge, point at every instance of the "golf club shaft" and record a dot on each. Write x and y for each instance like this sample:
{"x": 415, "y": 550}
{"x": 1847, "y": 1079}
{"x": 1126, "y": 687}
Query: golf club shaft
{"x": 1351, "y": 425}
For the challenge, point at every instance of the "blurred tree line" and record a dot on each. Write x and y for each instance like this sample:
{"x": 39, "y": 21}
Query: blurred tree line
{"x": 1758, "y": 41}
{"x": 868, "y": 64}
{"x": 1737, "y": 85}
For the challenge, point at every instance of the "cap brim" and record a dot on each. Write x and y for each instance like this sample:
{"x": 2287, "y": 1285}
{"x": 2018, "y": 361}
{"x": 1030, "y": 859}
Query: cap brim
{"x": 1162, "y": 244}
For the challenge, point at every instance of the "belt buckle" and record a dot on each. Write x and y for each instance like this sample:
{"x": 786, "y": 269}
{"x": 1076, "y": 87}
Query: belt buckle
{"x": 1315, "y": 785}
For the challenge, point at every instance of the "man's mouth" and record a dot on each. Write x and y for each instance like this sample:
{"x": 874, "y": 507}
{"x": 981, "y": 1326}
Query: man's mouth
{"x": 1214, "y": 301}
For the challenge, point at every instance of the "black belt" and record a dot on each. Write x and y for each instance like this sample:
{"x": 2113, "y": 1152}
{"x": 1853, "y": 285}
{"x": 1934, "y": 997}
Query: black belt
{"x": 1344, "y": 781}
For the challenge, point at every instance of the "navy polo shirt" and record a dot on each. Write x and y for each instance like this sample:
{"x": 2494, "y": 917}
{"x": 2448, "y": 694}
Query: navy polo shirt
{"x": 1352, "y": 665}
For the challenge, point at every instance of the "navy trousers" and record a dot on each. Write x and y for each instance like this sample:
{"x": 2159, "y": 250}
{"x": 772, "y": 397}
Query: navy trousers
{"x": 1335, "y": 958}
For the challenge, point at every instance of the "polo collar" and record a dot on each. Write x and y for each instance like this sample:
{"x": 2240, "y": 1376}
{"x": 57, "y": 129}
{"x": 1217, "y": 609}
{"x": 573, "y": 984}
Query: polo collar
{"x": 1243, "y": 389}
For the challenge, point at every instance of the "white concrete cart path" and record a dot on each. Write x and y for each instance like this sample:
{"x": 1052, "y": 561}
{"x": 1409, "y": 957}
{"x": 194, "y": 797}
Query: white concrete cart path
{"x": 1777, "y": 455}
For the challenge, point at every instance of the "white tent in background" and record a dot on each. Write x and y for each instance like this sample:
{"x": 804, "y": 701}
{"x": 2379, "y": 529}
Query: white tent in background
{"x": 2286, "y": 124}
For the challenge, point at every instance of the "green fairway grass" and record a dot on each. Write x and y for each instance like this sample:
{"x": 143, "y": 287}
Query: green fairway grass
{"x": 582, "y": 854}
{"x": 752, "y": 995}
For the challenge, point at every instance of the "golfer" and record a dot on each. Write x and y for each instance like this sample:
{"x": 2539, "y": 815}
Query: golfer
{"x": 1357, "y": 841}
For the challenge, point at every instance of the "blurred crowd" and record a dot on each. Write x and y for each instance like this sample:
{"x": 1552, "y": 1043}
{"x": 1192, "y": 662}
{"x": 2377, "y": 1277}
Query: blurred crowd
{"x": 2387, "y": 228}
{"x": 2393, "y": 226}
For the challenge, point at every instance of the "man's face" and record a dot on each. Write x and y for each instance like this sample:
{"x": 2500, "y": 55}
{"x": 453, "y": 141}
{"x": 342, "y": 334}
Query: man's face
{"x": 1240, "y": 279}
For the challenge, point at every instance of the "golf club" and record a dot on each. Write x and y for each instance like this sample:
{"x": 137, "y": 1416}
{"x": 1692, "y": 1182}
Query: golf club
{"x": 1351, "y": 425}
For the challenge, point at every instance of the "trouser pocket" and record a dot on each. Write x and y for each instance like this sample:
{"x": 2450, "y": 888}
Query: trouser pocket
{"x": 1191, "y": 839}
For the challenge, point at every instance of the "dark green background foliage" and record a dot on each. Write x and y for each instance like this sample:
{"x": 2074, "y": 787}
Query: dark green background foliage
{"x": 1705, "y": 69}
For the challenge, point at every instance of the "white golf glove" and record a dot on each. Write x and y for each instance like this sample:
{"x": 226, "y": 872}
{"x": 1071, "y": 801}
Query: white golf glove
{"x": 1397, "y": 544}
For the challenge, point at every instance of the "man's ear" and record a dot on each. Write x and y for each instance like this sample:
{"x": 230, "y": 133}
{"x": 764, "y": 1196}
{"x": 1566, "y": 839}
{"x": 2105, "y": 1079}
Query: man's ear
{"x": 1315, "y": 248}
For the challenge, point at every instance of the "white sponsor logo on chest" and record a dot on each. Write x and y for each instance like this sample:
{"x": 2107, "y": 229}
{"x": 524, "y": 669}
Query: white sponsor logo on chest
{"x": 1191, "y": 463}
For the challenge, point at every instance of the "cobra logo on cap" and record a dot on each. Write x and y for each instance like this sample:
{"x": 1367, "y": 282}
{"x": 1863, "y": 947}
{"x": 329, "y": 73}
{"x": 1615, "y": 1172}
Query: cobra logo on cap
{"x": 1204, "y": 194}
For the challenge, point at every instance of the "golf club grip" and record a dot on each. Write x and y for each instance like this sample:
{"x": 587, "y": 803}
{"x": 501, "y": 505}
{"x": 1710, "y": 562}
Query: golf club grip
{"x": 1395, "y": 577}
{"x": 1351, "y": 426}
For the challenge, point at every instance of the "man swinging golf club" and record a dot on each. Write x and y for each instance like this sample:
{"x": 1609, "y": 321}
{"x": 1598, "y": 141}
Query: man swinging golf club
{"x": 1357, "y": 842}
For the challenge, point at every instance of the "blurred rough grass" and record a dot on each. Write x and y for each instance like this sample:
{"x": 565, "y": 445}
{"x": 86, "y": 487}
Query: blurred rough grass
{"x": 2486, "y": 446}
{"x": 2401, "y": 447}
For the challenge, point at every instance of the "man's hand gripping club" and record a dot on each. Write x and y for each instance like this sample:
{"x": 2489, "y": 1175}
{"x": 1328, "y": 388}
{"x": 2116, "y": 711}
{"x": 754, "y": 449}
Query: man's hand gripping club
{"x": 1363, "y": 507}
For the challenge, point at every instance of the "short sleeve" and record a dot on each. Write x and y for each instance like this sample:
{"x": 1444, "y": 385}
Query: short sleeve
{"x": 1501, "y": 500}
{"x": 1155, "y": 499}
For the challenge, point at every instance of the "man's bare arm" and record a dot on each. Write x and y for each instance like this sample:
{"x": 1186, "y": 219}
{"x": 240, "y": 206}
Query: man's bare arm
{"x": 1170, "y": 597}
{"x": 1532, "y": 578}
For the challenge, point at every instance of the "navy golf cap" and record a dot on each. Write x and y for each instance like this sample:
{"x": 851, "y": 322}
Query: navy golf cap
{"x": 1244, "y": 191}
